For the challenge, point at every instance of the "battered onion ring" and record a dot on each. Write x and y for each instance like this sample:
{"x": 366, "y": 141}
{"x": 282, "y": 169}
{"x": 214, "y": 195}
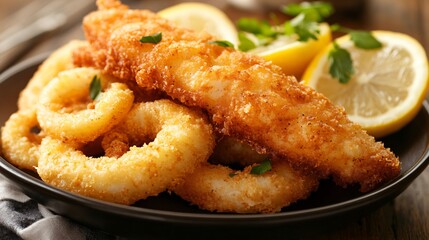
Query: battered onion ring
{"x": 63, "y": 113}
{"x": 182, "y": 140}
{"x": 58, "y": 61}
{"x": 21, "y": 139}
{"x": 219, "y": 188}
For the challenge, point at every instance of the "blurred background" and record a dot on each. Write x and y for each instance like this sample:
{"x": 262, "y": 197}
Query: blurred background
{"x": 62, "y": 19}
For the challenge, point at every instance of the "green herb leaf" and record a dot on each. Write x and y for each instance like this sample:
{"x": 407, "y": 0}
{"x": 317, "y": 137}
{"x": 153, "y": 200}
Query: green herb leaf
{"x": 222, "y": 43}
{"x": 305, "y": 29}
{"x": 155, "y": 38}
{"x": 365, "y": 40}
{"x": 250, "y": 25}
{"x": 95, "y": 88}
{"x": 314, "y": 11}
{"x": 255, "y": 26}
{"x": 288, "y": 28}
{"x": 335, "y": 27}
{"x": 245, "y": 43}
{"x": 261, "y": 168}
{"x": 341, "y": 64}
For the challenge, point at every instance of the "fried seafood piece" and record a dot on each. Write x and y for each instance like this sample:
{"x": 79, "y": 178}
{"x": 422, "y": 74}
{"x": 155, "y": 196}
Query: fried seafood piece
{"x": 66, "y": 111}
{"x": 180, "y": 139}
{"x": 245, "y": 96}
{"x": 217, "y": 187}
{"x": 58, "y": 61}
{"x": 221, "y": 189}
{"x": 20, "y": 139}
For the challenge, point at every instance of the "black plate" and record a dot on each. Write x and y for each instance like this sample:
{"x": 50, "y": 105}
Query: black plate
{"x": 168, "y": 216}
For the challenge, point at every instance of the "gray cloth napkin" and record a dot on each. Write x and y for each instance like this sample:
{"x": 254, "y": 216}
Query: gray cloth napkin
{"x": 23, "y": 218}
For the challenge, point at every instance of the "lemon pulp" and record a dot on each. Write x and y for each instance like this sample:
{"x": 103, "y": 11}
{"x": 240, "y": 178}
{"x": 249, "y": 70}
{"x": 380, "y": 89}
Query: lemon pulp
{"x": 387, "y": 88}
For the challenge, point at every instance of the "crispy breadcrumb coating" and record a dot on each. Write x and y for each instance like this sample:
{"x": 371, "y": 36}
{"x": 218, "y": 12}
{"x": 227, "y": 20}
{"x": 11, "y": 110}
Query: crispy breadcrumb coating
{"x": 245, "y": 96}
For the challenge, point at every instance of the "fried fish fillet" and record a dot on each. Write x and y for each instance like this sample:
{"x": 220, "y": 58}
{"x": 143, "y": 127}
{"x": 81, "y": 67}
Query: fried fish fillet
{"x": 245, "y": 96}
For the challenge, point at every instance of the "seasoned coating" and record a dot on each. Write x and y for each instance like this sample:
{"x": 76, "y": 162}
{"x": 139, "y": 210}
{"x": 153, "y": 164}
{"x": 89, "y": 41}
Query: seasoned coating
{"x": 215, "y": 186}
{"x": 221, "y": 189}
{"x": 245, "y": 96}
{"x": 65, "y": 110}
{"x": 20, "y": 139}
{"x": 182, "y": 140}
{"x": 58, "y": 61}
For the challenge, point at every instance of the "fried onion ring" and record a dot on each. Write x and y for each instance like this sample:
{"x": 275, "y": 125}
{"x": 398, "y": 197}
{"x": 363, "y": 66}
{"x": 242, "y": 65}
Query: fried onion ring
{"x": 65, "y": 110}
{"x": 58, "y": 61}
{"x": 221, "y": 189}
{"x": 21, "y": 139}
{"x": 182, "y": 139}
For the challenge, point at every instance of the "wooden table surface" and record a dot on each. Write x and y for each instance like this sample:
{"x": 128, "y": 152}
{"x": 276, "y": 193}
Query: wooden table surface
{"x": 405, "y": 217}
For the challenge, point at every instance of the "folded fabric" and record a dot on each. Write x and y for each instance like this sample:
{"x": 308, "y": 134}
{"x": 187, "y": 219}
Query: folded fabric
{"x": 23, "y": 218}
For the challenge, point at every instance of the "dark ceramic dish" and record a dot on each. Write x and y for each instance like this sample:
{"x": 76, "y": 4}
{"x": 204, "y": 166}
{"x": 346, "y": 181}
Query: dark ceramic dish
{"x": 168, "y": 216}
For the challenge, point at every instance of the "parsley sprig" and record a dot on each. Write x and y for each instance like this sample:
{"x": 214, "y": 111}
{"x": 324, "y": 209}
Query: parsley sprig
{"x": 364, "y": 40}
{"x": 261, "y": 168}
{"x": 257, "y": 169}
{"x": 341, "y": 64}
{"x": 222, "y": 43}
{"x": 95, "y": 88}
{"x": 154, "y": 39}
{"x": 306, "y": 18}
{"x": 304, "y": 26}
{"x": 315, "y": 11}
{"x": 340, "y": 61}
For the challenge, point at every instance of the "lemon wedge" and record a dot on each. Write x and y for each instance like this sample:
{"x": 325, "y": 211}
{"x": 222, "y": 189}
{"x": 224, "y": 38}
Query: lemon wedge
{"x": 202, "y": 17}
{"x": 388, "y": 86}
{"x": 292, "y": 55}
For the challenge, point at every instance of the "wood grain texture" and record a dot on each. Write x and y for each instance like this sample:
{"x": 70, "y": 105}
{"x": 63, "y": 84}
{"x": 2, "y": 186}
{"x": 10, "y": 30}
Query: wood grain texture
{"x": 424, "y": 13}
{"x": 410, "y": 17}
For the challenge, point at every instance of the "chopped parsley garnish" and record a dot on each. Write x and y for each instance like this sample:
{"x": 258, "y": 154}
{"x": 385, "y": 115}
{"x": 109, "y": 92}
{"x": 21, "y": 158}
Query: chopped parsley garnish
{"x": 364, "y": 40}
{"x": 245, "y": 43}
{"x": 256, "y": 27}
{"x": 361, "y": 39}
{"x": 222, "y": 43}
{"x": 341, "y": 64}
{"x": 261, "y": 168}
{"x": 95, "y": 88}
{"x": 306, "y": 18}
{"x": 304, "y": 26}
{"x": 232, "y": 174}
{"x": 155, "y": 38}
{"x": 314, "y": 11}
{"x": 304, "y": 29}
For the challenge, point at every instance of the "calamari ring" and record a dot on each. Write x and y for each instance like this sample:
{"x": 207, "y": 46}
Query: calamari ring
{"x": 65, "y": 110}
{"x": 58, "y": 61}
{"x": 21, "y": 139}
{"x": 213, "y": 188}
{"x": 221, "y": 189}
{"x": 182, "y": 140}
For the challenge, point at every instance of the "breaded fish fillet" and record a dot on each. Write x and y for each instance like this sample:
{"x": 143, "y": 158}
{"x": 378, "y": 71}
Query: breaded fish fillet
{"x": 245, "y": 96}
